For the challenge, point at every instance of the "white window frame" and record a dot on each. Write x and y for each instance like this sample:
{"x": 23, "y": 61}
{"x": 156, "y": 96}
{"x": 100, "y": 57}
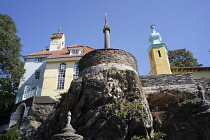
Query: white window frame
{"x": 37, "y": 74}
{"x": 75, "y": 52}
{"x": 27, "y": 90}
{"x": 76, "y": 71}
{"x": 61, "y": 76}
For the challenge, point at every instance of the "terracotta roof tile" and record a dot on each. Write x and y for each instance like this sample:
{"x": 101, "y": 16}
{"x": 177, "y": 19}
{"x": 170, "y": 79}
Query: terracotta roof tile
{"x": 64, "y": 53}
{"x": 57, "y": 35}
{"x": 74, "y": 46}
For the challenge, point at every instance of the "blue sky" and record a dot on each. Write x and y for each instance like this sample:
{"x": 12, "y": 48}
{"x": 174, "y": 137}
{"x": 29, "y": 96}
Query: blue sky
{"x": 181, "y": 23}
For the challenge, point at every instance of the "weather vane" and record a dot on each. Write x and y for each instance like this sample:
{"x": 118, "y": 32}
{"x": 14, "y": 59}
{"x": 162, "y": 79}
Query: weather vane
{"x": 59, "y": 30}
{"x": 106, "y": 20}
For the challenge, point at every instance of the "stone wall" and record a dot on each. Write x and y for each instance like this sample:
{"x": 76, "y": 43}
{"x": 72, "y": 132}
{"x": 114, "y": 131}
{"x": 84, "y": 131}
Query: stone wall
{"x": 181, "y": 81}
{"x": 205, "y": 82}
{"x": 106, "y": 58}
{"x": 166, "y": 79}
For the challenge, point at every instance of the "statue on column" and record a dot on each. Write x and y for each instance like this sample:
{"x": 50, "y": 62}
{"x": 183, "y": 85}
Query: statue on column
{"x": 201, "y": 94}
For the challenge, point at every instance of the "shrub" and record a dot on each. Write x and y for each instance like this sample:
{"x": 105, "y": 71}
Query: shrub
{"x": 160, "y": 135}
{"x": 12, "y": 134}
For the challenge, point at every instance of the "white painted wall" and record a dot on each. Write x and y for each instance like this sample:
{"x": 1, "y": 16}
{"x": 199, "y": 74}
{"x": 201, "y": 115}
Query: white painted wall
{"x": 29, "y": 78}
{"x": 57, "y": 44}
{"x": 16, "y": 116}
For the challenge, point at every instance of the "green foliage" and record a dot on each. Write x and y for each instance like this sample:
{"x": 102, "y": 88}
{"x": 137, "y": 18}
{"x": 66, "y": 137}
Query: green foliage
{"x": 136, "y": 105}
{"x": 143, "y": 115}
{"x": 135, "y": 138}
{"x": 160, "y": 135}
{"x": 123, "y": 107}
{"x": 54, "y": 37}
{"x": 138, "y": 138}
{"x": 182, "y": 58}
{"x": 155, "y": 109}
{"x": 12, "y": 134}
{"x": 11, "y": 68}
{"x": 144, "y": 139}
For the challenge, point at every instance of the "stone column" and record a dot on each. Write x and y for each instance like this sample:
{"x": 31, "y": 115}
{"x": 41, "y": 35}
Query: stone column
{"x": 106, "y": 31}
{"x": 68, "y": 133}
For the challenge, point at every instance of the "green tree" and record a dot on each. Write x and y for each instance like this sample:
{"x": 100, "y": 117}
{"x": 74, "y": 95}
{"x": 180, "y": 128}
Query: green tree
{"x": 182, "y": 58}
{"x": 11, "y": 68}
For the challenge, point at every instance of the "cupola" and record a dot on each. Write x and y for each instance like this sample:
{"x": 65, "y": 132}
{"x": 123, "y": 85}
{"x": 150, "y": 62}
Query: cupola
{"x": 57, "y": 41}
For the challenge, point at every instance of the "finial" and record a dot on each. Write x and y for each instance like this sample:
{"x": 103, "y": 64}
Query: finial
{"x": 59, "y": 30}
{"x": 69, "y": 118}
{"x": 152, "y": 26}
{"x": 155, "y": 37}
{"x": 106, "y": 20}
{"x": 106, "y": 32}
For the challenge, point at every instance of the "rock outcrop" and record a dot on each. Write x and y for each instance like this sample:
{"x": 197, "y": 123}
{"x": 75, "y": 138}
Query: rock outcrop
{"x": 107, "y": 102}
{"x": 38, "y": 114}
{"x": 181, "y": 115}
{"x": 108, "y": 105}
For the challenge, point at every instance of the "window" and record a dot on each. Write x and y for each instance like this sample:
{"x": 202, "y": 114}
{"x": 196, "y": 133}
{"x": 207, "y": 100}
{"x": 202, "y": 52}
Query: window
{"x": 26, "y": 92}
{"x": 76, "y": 71}
{"x": 73, "y": 52}
{"x": 40, "y": 60}
{"x": 27, "y": 89}
{"x": 37, "y": 74}
{"x": 159, "y": 53}
{"x": 61, "y": 76}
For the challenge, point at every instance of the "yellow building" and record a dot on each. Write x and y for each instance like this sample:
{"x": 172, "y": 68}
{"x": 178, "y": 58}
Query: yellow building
{"x": 158, "y": 56}
{"x": 61, "y": 69}
{"x": 49, "y": 72}
{"x": 198, "y": 72}
{"x": 159, "y": 59}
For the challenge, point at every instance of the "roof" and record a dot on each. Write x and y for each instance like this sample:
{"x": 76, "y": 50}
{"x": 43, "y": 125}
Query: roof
{"x": 189, "y": 69}
{"x": 63, "y": 53}
{"x": 74, "y": 46}
{"x": 57, "y": 35}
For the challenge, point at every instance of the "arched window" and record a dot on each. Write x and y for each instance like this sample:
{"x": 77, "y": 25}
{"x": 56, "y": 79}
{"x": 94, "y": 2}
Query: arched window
{"x": 26, "y": 92}
{"x": 27, "y": 89}
{"x": 76, "y": 71}
{"x": 61, "y": 76}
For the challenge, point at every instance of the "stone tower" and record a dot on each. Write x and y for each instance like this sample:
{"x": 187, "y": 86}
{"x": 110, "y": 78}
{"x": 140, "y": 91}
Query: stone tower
{"x": 158, "y": 54}
{"x": 107, "y": 76}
